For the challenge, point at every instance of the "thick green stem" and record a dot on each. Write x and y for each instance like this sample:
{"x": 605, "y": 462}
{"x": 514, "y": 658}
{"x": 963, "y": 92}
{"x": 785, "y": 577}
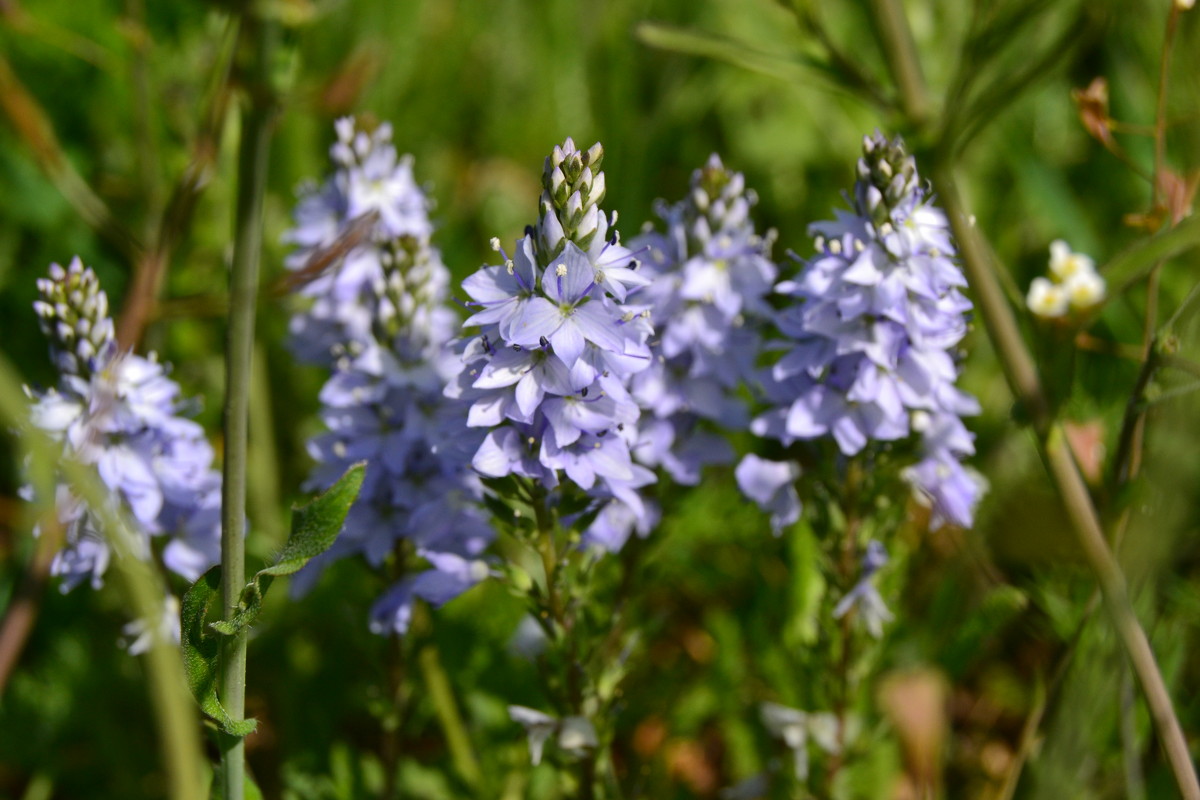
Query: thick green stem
{"x": 1022, "y": 375}
{"x": 239, "y": 348}
{"x": 1018, "y": 367}
{"x": 846, "y": 561}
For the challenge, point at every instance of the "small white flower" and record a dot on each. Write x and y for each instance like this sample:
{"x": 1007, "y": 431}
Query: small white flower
{"x": 577, "y": 736}
{"x": 790, "y": 725}
{"x": 1064, "y": 264}
{"x": 538, "y": 727}
{"x": 1084, "y": 289}
{"x": 795, "y": 727}
{"x": 1046, "y": 299}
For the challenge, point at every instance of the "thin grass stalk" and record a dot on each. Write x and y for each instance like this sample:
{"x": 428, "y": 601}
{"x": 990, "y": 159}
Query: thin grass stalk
{"x": 239, "y": 348}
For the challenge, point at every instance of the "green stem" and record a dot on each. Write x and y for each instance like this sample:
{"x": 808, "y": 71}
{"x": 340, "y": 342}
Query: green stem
{"x": 573, "y": 688}
{"x": 901, "y": 52}
{"x": 1160, "y": 105}
{"x": 846, "y": 566}
{"x": 1023, "y": 379}
{"x": 263, "y": 487}
{"x": 239, "y": 347}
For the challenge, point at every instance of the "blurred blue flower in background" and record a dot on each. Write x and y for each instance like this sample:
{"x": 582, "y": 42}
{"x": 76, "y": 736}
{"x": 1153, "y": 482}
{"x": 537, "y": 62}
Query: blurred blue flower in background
{"x": 121, "y": 413}
{"x": 378, "y": 317}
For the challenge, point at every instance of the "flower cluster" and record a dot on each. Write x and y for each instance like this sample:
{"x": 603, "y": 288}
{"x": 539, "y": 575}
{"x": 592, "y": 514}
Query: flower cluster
{"x": 710, "y": 274}
{"x": 343, "y": 232}
{"x": 379, "y": 318}
{"x": 877, "y": 316}
{"x": 1073, "y": 285}
{"x": 120, "y": 412}
{"x": 547, "y": 376}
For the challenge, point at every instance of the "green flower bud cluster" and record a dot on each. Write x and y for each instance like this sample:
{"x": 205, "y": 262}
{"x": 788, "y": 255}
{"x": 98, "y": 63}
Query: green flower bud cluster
{"x": 413, "y": 284}
{"x": 72, "y": 311}
{"x": 718, "y": 202}
{"x": 887, "y": 178}
{"x": 572, "y": 190}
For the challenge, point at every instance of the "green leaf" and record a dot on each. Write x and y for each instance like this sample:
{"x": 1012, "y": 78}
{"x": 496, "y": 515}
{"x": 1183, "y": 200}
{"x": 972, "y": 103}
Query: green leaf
{"x": 315, "y": 526}
{"x": 201, "y": 652}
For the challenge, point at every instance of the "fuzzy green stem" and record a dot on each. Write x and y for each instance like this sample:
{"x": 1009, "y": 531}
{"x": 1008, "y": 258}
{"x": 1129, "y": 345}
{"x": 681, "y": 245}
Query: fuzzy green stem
{"x": 239, "y": 347}
{"x": 1023, "y": 380}
{"x": 1018, "y": 367}
{"x": 846, "y": 561}
{"x": 1160, "y": 104}
{"x": 900, "y": 50}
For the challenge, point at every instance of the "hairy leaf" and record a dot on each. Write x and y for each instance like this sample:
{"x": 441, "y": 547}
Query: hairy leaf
{"x": 201, "y": 653}
{"x": 315, "y": 526}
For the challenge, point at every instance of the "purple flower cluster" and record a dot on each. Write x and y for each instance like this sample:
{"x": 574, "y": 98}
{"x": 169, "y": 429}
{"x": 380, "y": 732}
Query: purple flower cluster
{"x": 379, "y": 318}
{"x": 877, "y": 316}
{"x": 344, "y": 228}
{"x": 120, "y": 412}
{"x": 710, "y": 274}
{"x": 547, "y": 376}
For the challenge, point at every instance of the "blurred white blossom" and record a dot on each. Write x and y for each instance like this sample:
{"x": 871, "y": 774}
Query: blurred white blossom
{"x": 1073, "y": 284}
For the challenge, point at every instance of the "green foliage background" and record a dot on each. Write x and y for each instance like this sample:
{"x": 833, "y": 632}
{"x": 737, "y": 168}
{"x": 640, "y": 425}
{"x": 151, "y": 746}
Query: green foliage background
{"x": 478, "y": 91}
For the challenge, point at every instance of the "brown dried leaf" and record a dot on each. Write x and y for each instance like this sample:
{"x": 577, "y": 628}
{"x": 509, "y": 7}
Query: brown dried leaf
{"x": 1087, "y": 443}
{"x": 1178, "y": 193}
{"x": 915, "y": 702}
{"x": 1092, "y": 104}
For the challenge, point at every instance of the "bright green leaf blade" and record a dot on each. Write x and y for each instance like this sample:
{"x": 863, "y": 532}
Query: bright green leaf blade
{"x": 201, "y": 652}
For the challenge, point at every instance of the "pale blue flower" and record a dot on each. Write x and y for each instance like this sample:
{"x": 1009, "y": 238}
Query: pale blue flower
{"x": 559, "y": 339}
{"x": 121, "y": 413}
{"x": 380, "y": 319}
{"x": 877, "y": 316}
